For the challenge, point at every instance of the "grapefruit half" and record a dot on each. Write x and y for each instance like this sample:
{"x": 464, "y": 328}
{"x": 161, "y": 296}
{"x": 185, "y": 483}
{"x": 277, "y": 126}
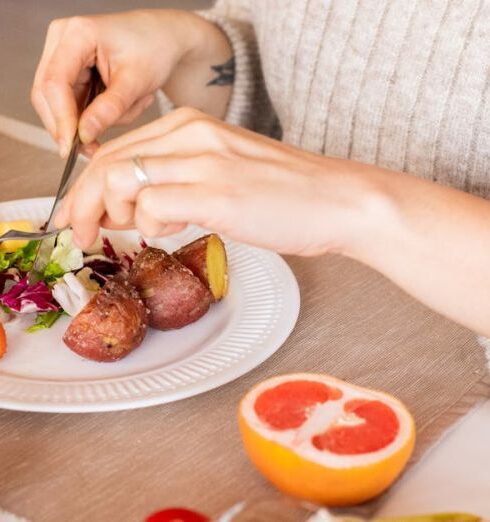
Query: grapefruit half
{"x": 325, "y": 440}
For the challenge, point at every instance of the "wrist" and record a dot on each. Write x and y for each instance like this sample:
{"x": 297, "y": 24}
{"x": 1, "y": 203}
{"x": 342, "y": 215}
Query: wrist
{"x": 191, "y": 80}
{"x": 368, "y": 214}
{"x": 202, "y": 40}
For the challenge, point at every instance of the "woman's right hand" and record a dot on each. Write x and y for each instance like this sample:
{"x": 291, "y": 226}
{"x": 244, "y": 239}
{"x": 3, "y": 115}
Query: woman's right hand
{"x": 135, "y": 52}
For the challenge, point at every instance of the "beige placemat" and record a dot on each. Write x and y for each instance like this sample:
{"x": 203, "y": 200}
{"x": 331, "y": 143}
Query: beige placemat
{"x": 354, "y": 324}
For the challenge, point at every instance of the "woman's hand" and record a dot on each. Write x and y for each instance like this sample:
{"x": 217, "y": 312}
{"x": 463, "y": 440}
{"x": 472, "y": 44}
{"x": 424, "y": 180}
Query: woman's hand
{"x": 203, "y": 171}
{"x": 136, "y": 53}
{"x": 431, "y": 240}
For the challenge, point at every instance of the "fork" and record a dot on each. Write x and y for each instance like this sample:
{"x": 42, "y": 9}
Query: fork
{"x": 14, "y": 235}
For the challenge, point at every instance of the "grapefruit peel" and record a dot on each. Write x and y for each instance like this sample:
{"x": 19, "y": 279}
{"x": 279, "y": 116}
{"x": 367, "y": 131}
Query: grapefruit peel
{"x": 333, "y": 456}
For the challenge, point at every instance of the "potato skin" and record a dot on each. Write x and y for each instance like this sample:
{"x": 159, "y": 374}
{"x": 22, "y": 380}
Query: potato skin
{"x": 172, "y": 293}
{"x": 112, "y": 324}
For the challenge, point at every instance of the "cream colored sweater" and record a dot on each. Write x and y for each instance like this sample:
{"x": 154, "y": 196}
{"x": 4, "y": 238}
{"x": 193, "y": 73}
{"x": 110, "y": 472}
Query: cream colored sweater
{"x": 403, "y": 84}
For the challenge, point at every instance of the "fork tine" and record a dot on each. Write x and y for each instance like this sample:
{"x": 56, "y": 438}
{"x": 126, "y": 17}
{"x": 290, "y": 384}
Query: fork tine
{"x": 13, "y": 235}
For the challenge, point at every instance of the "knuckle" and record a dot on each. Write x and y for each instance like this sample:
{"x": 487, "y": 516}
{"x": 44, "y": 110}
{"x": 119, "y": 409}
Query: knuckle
{"x": 90, "y": 176}
{"x": 187, "y": 112}
{"x": 79, "y": 23}
{"x": 145, "y": 202}
{"x": 55, "y": 24}
{"x": 116, "y": 103}
{"x": 36, "y": 96}
{"x": 199, "y": 125}
{"x": 210, "y": 162}
{"x": 50, "y": 81}
{"x": 112, "y": 179}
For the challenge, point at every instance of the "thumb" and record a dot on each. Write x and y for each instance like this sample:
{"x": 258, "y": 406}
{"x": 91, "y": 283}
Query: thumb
{"x": 110, "y": 106}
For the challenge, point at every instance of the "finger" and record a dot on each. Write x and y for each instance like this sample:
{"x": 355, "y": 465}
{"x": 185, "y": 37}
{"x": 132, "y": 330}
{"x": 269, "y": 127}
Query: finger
{"x": 90, "y": 149}
{"x": 119, "y": 209}
{"x": 61, "y": 218}
{"x": 171, "y": 204}
{"x": 85, "y": 208}
{"x": 147, "y": 224}
{"x": 182, "y": 136}
{"x": 191, "y": 139}
{"x": 44, "y": 112}
{"x": 73, "y": 56}
{"x": 64, "y": 110}
{"x": 106, "y": 222}
{"x": 122, "y": 185}
{"x": 160, "y": 230}
{"x": 39, "y": 102}
{"x": 81, "y": 88}
{"x": 85, "y": 233}
{"x": 152, "y": 130}
{"x": 112, "y": 188}
{"x": 136, "y": 110}
{"x": 122, "y": 92}
{"x": 173, "y": 228}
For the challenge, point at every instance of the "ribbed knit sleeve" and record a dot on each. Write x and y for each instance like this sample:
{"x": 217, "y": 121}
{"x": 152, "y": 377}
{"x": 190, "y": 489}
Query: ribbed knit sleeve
{"x": 249, "y": 105}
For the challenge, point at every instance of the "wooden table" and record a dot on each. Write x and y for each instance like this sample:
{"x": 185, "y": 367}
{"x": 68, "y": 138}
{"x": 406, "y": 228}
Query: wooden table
{"x": 123, "y": 465}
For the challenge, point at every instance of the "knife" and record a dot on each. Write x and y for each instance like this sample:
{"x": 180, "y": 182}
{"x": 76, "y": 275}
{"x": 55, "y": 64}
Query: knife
{"x": 46, "y": 246}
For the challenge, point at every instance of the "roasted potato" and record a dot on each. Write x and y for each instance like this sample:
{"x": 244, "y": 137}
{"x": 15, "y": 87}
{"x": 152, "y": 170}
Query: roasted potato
{"x": 111, "y": 325}
{"x": 206, "y": 259}
{"x": 174, "y": 296}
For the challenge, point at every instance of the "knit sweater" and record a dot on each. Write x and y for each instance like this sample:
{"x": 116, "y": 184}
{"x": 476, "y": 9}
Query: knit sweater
{"x": 403, "y": 84}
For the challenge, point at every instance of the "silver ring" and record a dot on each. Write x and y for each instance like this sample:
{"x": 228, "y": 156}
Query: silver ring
{"x": 139, "y": 171}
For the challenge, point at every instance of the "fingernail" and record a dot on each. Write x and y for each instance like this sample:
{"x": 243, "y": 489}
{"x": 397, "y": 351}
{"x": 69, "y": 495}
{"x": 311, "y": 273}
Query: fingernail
{"x": 87, "y": 151}
{"x": 89, "y": 130}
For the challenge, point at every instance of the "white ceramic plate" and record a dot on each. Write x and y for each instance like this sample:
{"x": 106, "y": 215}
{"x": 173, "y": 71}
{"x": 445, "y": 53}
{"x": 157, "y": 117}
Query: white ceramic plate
{"x": 39, "y": 373}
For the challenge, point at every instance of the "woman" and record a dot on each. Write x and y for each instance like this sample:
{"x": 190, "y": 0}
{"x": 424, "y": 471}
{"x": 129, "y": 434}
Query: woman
{"x": 370, "y": 98}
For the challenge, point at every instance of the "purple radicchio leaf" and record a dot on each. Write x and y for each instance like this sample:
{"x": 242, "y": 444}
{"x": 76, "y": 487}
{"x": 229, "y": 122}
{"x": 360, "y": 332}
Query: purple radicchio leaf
{"x": 25, "y": 298}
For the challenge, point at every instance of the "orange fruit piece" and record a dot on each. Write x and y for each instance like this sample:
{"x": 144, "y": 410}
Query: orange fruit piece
{"x": 324, "y": 440}
{"x": 3, "y": 341}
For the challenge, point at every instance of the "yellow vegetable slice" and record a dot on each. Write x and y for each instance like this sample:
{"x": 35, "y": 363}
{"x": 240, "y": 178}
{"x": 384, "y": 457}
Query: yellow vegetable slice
{"x": 22, "y": 225}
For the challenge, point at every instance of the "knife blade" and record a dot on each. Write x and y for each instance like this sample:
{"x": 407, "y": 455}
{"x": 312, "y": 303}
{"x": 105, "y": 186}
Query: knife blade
{"x": 46, "y": 246}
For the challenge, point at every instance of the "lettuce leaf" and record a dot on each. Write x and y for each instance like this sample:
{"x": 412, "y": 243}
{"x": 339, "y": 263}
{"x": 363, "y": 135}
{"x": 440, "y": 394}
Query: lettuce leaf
{"x": 45, "y": 320}
{"x": 53, "y": 271}
{"x": 66, "y": 255}
{"x": 22, "y": 258}
{"x": 73, "y": 292}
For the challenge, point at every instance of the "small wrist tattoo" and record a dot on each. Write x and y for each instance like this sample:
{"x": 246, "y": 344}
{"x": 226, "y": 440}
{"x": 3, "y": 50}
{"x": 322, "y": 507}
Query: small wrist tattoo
{"x": 225, "y": 73}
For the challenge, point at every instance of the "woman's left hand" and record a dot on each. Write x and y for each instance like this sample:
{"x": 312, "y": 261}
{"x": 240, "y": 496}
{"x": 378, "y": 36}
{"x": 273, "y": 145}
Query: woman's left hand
{"x": 202, "y": 171}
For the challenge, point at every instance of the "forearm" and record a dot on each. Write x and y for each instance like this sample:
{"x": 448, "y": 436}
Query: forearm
{"x": 432, "y": 241}
{"x": 203, "y": 78}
